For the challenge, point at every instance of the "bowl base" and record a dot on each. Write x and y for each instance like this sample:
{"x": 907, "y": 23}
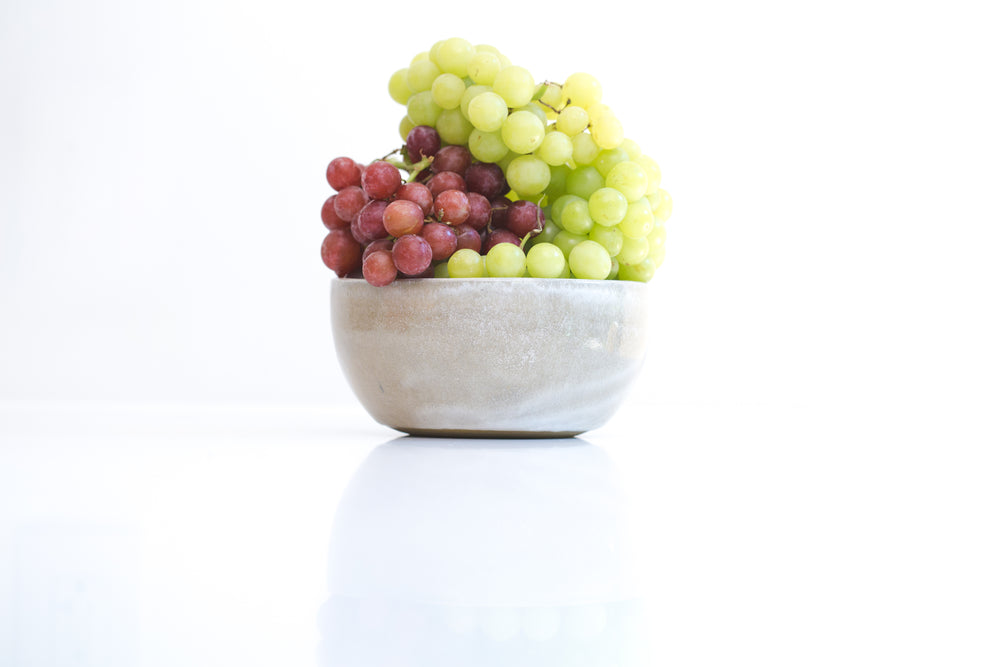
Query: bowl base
{"x": 467, "y": 433}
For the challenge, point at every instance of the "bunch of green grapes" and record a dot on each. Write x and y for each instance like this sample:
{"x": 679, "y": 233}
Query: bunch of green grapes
{"x": 559, "y": 145}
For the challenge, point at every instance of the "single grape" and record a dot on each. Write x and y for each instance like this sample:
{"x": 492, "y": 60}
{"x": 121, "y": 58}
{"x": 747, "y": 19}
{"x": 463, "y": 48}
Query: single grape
{"x": 572, "y": 120}
{"x": 607, "y": 131}
{"x": 379, "y": 269}
{"x": 452, "y": 158}
{"x": 631, "y": 148}
{"x": 527, "y": 175}
{"x": 641, "y": 272}
{"x": 479, "y": 211}
{"x": 447, "y": 91}
{"x": 487, "y": 179}
{"x": 505, "y": 260}
{"x": 422, "y": 109}
{"x": 607, "y": 206}
{"x": 548, "y": 232}
{"x": 349, "y": 202}
{"x": 500, "y": 236}
{"x": 581, "y": 89}
{"x": 471, "y": 93}
{"x": 467, "y": 236}
{"x": 633, "y": 251}
{"x": 638, "y": 220}
{"x": 402, "y": 217}
{"x": 575, "y": 216}
{"x": 399, "y": 90}
{"x": 451, "y": 207}
{"x": 440, "y": 270}
{"x": 515, "y": 84}
{"x": 487, "y": 146}
{"x": 367, "y": 225}
{"x": 556, "y": 148}
{"x": 522, "y": 131}
{"x": 343, "y": 172}
{"x": 498, "y": 212}
{"x": 545, "y": 260}
{"x": 584, "y": 181}
{"x": 610, "y": 237}
{"x": 453, "y": 127}
{"x": 525, "y": 218}
{"x": 487, "y": 112}
{"x": 664, "y": 206}
{"x": 328, "y": 214}
{"x": 405, "y": 125}
{"x": 380, "y": 180}
{"x": 445, "y": 180}
{"x": 628, "y": 178}
{"x": 465, "y": 263}
{"x": 483, "y": 67}
{"x": 380, "y": 244}
{"x": 589, "y": 260}
{"x": 422, "y": 141}
{"x": 566, "y": 241}
{"x": 412, "y": 254}
{"x": 585, "y": 151}
{"x": 608, "y": 158}
{"x": 657, "y": 238}
{"x": 417, "y": 193}
{"x": 653, "y": 174}
{"x": 453, "y": 56}
{"x": 421, "y": 74}
{"x": 441, "y": 238}
{"x": 341, "y": 252}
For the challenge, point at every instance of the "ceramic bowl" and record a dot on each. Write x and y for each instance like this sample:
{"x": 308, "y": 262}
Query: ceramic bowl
{"x": 490, "y": 357}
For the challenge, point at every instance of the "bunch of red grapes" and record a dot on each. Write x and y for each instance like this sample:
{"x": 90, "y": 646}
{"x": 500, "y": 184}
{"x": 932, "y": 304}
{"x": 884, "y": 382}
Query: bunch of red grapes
{"x": 383, "y": 228}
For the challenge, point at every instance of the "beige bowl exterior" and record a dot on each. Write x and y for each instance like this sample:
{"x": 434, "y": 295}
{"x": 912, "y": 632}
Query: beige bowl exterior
{"x": 490, "y": 357}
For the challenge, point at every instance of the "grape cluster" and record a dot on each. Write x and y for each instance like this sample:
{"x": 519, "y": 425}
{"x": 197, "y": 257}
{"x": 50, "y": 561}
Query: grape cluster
{"x": 504, "y": 177}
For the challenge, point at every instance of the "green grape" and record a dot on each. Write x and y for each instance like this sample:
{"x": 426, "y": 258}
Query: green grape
{"x": 423, "y": 56}
{"x": 487, "y": 112}
{"x": 663, "y": 206}
{"x": 505, "y": 260}
{"x": 421, "y": 74}
{"x": 607, "y": 206}
{"x": 607, "y": 131}
{"x": 595, "y": 111}
{"x": 657, "y": 238}
{"x": 447, "y": 91}
{"x": 589, "y": 260}
{"x": 535, "y": 109}
{"x": 470, "y": 94}
{"x": 453, "y": 56}
{"x": 488, "y": 48}
{"x": 613, "y": 275}
{"x": 572, "y": 120}
{"x": 585, "y": 151}
{"x": 609, "y": 237}
{"x": 652, "y": 170}
{"x": 566, "y": 241}
{"x": 557, "y": 183}
{"x": 581, "y": 89}
{"x": 584, "y": 181}
{"x": 559, "y": 205}
{"x": 521, "y": 131}
{"x": 405, "y": 125}
{"x": 527, "y": 175}
{"x": 441, "y": 270}
{"x": 628, "y": 178}
{"x": 515, "y": 84}
{"x": 608, "y": 158}
{"x": 638, "y": 220}
{"x": 658, "y": 255}
{"x": 453, "y": 127}
{"x": 631, "y": 148}
{"x": 545, "y": 260}
{"x": 483, "y": 67}
{"x": 422, "y": 110}
{"x": 633, "y": 251}
{"x": 487, "y": 146}
{"x": 465, "y": 263}
{"x": 548, "y": 232}
{"x": 435, "y": 49}
{"x": 556, "y": 149}
{"x": 575, "y": 216}
{"x": 641, "y": 272}
{"x": 399, "y": 90}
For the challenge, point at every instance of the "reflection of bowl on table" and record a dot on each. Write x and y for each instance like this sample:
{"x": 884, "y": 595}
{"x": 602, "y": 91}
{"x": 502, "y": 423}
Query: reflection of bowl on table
{"x": 482, "y": 552}
{"x": 519, "y": 357}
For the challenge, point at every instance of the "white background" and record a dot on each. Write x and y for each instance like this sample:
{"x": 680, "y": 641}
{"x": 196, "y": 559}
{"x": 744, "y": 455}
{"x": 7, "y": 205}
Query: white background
{"x": 825, "y": 325}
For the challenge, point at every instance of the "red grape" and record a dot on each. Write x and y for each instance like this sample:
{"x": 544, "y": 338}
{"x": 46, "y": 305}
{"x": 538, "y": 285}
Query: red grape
{"x": 342, "y": 172}
{"x": 500, "y": 236}
{"x": 402, "y": 217}
{"x": 378, "y": 268}
{"x": 411, "y": 254}
{"x": 422, "y": 141}
{"x": 467, "y": 236}
{"x": 524, "y": 218}
{"x": 498, "y": 213}
{"x": 380, "y": 180}
{"x": 445, "y": 180}
{"x": 419, "y": 193}
{"x": 367, "y": 225}
{"x": 379, "y": 244}
{"x": 451, "y": 206}
{"x": 487, "y": 179}
{"x": 341, "y": 252}
{"x": 452, "y": 158}
{"x": 329, "y": 214}
{"x": 442, "y": 239}
{"x": 479, "y": 210}
{"x": 349, "y": 201}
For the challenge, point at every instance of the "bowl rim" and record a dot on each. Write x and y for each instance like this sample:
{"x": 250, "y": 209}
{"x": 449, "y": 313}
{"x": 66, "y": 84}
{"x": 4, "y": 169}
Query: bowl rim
{"x": 626, "y": 284}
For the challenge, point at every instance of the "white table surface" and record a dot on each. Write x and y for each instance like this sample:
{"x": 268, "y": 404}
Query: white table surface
{"x": 684, "y": 535}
